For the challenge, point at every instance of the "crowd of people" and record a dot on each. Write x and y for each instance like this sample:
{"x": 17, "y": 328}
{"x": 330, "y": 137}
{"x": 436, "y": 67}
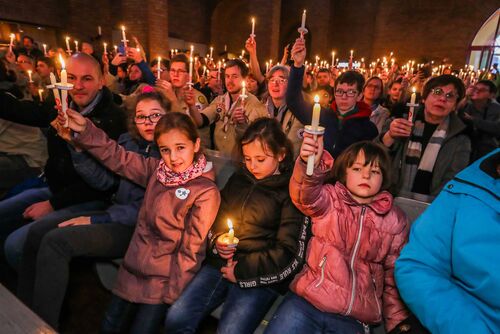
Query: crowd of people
{"x": 123, "y": 173}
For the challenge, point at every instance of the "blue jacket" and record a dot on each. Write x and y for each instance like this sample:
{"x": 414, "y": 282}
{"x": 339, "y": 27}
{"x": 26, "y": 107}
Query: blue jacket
{"x": 128, "y": 197}
{"x": 449, "y": 272}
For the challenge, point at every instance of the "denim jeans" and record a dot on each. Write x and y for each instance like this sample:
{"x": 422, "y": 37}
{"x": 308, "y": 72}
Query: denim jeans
{"x": 297, "y": 315}
{"x": 243, "y": 309}
{"x": 15, "y": 241}
{"x": 147, "y": 317}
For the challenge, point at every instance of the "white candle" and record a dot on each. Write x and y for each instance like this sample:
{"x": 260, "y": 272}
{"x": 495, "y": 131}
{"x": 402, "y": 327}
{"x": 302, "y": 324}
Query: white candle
{"x": 40, "y": 94}
{"x": 158, "y": 68}
{"x": 116, "y": 48}
{"x": 253, "y": 27}
{"x": 105, "y": 48}
{"x": 68, "y": 49}
{"x": 303, "y": 25}
{"x": 191, "y": 50}
{"x": 54, "y": 89}
{"x": 99, "y": 31}
{"x": 218, "y": 70}
{"x": 242, "y": 53}
{"x": 243, "y": 90}
{"x": 64, "y": 92}
{"x": 45, "y": 50}
{"x": 76, "y": 46}
{"x": 267, "y": 67}
{"x": 190, "y": 70}
{"x": 412, "y": 103}
{"x": 230, "y": 233}
{"x": 314, "y": 126}
{"x": 333, "y": 58}
{"x": 29, "y": 76}
{"x": 124, "y": 37}
{"x": 11, "y": 44}
{"x": 211, "y": 52}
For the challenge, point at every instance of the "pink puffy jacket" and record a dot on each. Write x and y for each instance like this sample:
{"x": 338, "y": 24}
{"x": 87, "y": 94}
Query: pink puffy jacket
{"x": 351, "y": 255}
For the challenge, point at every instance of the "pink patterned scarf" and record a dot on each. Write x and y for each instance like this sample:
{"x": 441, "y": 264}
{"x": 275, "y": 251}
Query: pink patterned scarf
{"x": 170, "y": 178}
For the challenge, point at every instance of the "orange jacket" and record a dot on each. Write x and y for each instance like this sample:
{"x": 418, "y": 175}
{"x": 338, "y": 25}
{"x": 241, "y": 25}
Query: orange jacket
{"x": 351, "y": 255}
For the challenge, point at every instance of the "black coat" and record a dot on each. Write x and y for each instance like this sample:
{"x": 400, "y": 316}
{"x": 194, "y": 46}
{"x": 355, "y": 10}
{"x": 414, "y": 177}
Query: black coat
{"x": 66, "y": 185}
{"x": 271, "y": 230}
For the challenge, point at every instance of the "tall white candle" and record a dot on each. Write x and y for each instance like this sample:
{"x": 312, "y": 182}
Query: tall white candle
{"x": 11, "y": 44}
{"x": 253, "y": 27}
{"x": 243, "y": 90}
{"x": 40, "y": 94}
{"x": 76, "y": 45}
{"x": 314, "y": 126}
{"x": 116, "y": 48}
{"x": 29, "y": 76}
{"x": 218, "y": 70}
{"x": 99, "y": 31}
{"x": 333, "y": 58}
{"x": 68, "y": 49}
{"x": 64, "y": 92}
{"x": 190, "y": 70}
{"x": 45, "y": 50}
{"x": 412, "y": 103}
{"x": 211, "y": 52}
{"x": 303, "y": 24}
{"x": 124, "y": 37}
{"x": 158, "y": 68}
{"x": 230, "y": 233}
{"x": 105, "y": 48}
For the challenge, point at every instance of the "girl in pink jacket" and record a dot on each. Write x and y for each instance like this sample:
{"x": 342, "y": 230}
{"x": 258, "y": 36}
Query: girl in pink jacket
{"x": 347, "y": 283}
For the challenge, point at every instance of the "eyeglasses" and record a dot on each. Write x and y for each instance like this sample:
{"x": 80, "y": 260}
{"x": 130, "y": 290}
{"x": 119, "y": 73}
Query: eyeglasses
{"x": 178, "y": 72}
{"x": 450, "y": 97}
{"x": 279, "y": 81}
{"x": 350, "y": 92}
{"x": 153, "y": 118}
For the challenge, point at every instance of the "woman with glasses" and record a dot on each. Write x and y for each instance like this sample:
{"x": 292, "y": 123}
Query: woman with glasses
{"x": 431, "y": 148}
{"x": 275, "y": 102}
{"x": 372, "y": 96}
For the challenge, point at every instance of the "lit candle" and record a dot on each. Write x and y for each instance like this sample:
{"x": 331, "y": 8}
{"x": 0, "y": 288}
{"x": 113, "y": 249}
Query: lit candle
{"x": 158, "y": 68}
{"x": 124, "y": 37}
{"x": 333, "y": 58}
{"x": 351, "y": 58}
{"x": 29, "y": 76}
{"x": 190, "y": 71}
{"x": 99, "y": 31}
{"x": 191, "y": 49}
{"x": 243, "y": 91}
{"x": 303, "y": 24}
{"x": 64, "y": 92}
{"x": 11, "y": 44}
{"x": 218, "y": 70}
{"x": 412, "y": 104}
{"x": 253, "y": 28}
{"x": 68, "y": 49}
{"x": 116, "y": 48}
{"x": 45, "y": 50}
{"x": 40, "y": 94}
{"x": 76, "y": 45}
{"x": 242, "y": 53}
{"x": 204, "y": 70}
{"x": 230, "y": 233}
{"x": 105, "y": 48}
{"x": 267, "y": 66}
{"x": 314, "y": 126}
{"x": 53, "y": 82}
{"x": 211, "y": 52}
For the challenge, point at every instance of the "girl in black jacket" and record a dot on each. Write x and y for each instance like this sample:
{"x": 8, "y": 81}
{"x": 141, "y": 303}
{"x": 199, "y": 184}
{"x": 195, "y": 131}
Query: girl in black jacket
{"x": 249, "y": 273}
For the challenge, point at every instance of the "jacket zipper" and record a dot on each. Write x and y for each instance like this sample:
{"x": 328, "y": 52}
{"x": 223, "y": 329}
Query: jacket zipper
{"x": 354, "y": 253}
{"x": 322, "y": 265}
{"x": 376, "y": 298}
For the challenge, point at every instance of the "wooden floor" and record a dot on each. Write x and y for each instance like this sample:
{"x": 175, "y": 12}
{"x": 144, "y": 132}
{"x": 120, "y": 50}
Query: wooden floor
{"x": 85, "y": 303}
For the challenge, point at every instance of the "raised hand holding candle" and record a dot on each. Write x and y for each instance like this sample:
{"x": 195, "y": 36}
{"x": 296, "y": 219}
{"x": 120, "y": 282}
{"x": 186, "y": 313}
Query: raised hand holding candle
{"x": 314, "y": 127}
{"x": 11, "y": 44}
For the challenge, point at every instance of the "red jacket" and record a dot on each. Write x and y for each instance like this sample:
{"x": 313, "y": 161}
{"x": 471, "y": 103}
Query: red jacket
{"x": 351, "y": 255}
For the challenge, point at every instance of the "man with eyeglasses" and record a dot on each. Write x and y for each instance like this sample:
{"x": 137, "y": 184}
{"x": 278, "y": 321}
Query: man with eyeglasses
{"x": 430, "y": 149}
{"x": 232, "y": 112}
{"x": 347, "y": 120}
{"x": 481, "y": 114}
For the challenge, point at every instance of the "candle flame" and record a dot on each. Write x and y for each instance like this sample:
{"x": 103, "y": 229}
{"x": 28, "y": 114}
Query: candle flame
{"x": 45, "y": 45}
{"x": 253, "y": 19}
{"x": 63, "y": 65}
{"x": 243, "y": 84}
{"x": 316, "y": 98}
{"x": 123, "y": 28}
{"x": 304, "y": 11}
{"x": 413, "y": 89}
{"x": 230, "y": 224}
{"x": 12, "y": 36}
{"x": 67, "y": 38}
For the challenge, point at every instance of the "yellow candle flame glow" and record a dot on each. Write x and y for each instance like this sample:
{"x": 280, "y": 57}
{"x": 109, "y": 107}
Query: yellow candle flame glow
{"x": 316, "y": 98}
{"x": 413, "y": 89}
{"x": 63, "y": 65}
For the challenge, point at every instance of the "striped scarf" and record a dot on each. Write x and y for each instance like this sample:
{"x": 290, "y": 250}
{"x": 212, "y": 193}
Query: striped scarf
{"x": 416, "y": 159}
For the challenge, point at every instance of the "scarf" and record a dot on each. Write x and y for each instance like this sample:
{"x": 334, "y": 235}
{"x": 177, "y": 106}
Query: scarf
{"x": 169, "y": 178}
{"x": 416, "y": 159}
{"x": 90, "y": 107}
{"x": 279, "y": 114}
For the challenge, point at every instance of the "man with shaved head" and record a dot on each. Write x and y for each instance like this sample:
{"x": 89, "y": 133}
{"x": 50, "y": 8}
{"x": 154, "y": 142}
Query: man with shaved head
{"x": 66, "y": 194}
